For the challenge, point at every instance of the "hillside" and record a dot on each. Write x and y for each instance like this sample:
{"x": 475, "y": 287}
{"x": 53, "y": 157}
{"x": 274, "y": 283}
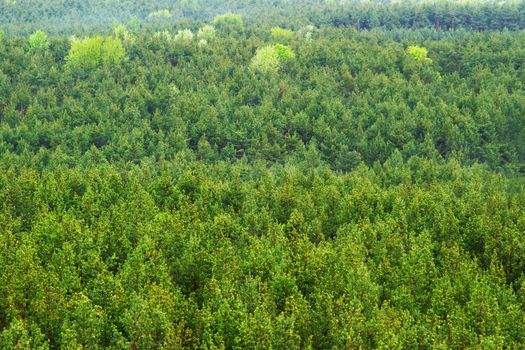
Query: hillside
{"x": 322, "y": 175}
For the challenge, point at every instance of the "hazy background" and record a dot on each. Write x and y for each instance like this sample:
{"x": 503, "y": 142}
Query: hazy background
{"x": 72, "y": 16}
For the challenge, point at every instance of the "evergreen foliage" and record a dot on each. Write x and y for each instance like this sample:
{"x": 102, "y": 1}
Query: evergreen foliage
{"x": 171, "y": 184}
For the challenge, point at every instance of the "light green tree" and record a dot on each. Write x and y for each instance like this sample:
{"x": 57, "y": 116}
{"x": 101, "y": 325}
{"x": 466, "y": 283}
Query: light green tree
{"x": 266, "y": 60}
{"x": 206, "y": 33}
{"x": 229, "y": 22}
{"x": 306, "y": 32}
{"x": 95, "y": 51}
{"x": 281, "y": 35}
{"x": 284, "y": 52}
{"x": 134, "y": 24}
{"x": 38, "y": 41}
{"x": 269, "y": 59}
{"x": 121, "y": 32}
{"x": 184, "y": 35}
{"x": 164, "y": 35}
{"x": 160, "y": 14}
{"x": 112, "y": 51}
{"x": 20, "y": 335}
{"x": 419, "y": 54}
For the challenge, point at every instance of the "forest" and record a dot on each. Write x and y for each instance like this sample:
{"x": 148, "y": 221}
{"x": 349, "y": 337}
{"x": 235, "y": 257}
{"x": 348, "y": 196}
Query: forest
{"x": 288, "y": 174}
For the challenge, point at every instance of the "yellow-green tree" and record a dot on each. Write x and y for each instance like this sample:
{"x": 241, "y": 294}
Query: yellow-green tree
{"x": 270, "y": 59}
{"x": 229, "y": 22}
{"x": 38, "y": 41}
{"x": 206, "y": 33}
{"x": 95, "y": 51}
{"x": 266, "y": 60}
{"x": 282, "y": 35}
{"x": 419, "y": 54}
{"x": 165, "y": 13}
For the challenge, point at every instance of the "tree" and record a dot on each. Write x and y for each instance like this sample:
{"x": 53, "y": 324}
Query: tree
{"x": 95, "y": 51}
{"x": 122, "y": 33}
{"x": 229, "y": 22}
{"x": 18, "y": 335}
{"x": 270, "y": 59}
{"x": 38, "y": 41}
{"x": 160, "y": 14}
{"x": 281, "y": 35}
{"x": 284, "y": 53}
{"x": 134, "y": 24}
{"x": 419, "y": 54}
{"x": 266, "y": 60}
{"x": 199, "y": 198}
{"x": 184, "y": 35}
{"x": 206, "y": 33}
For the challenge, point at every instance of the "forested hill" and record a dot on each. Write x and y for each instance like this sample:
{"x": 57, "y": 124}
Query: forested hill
{"x": 323, "y": 176}
{"x": 75, "y": 15}
{"x": 344, "y": 97}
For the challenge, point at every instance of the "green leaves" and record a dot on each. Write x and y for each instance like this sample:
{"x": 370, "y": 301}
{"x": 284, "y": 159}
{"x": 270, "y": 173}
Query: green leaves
{"x": 270, "y": 59}
{"x": 314, "y": 195}
{"x": 184, "y": 36}
{"x": 122, "y": 33}
{"x": 229, "y": 22}
{"x": 92, "y": 52}
{"x": 281, "y": 35}
{"x": 419, "y": 54}
{"x": 165, "y": 13}
{"x": 206, "y": 33}
{"x": 236, "y": 255}
{"x": 83, "y": 325}
{"x": 284, "y": 53}
{"x": 38, "y": 41}
{"x": 266, "y": 60}
{"x": 20, "y": 335}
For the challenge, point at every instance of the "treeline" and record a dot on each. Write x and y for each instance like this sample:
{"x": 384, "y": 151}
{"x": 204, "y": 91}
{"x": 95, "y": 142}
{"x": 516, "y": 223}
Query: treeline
{"x": 60, "y": 16}
{"x": 74, "y": 16}
{"x": 441, "y": 15}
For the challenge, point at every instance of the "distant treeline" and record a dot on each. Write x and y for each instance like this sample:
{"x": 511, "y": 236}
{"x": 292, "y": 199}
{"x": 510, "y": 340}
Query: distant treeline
{"x": 88, "y": 15}
{"x": 440, "y": 15}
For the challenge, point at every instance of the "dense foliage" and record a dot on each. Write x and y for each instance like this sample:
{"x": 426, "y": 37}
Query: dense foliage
{"x": 73, "y": 16}
{"x": 234, "y": 185}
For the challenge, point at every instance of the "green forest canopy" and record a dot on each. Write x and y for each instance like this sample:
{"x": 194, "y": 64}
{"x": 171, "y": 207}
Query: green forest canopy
{"x": 74, "y": 16}
{"x": 326, "y": 176}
